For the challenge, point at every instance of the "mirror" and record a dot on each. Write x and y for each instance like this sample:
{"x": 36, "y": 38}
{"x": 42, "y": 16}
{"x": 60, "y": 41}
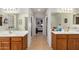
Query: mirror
{"x": 76, "y": 19}
{"x": 0, "y": 21}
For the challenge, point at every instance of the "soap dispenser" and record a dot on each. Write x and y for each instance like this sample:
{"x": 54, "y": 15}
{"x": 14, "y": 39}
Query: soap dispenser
{"x": 59, "y": 27}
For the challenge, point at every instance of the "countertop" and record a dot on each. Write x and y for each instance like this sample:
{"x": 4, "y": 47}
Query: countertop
{"x": 13, "y": 33}
{"x": 65, "y": 32}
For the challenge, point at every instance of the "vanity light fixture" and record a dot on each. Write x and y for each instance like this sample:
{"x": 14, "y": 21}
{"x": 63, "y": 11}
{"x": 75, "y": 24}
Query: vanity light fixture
{"x": 10, "y": 10}
{"x": 65, "y": 10}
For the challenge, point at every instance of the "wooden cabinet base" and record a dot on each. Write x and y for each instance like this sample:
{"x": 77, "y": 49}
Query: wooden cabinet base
{"x": 13, "y": 43}
{"x": 65, "y": 41}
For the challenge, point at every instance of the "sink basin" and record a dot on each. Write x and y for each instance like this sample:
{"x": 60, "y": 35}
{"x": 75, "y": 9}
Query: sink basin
{"x": 12, "y": 32}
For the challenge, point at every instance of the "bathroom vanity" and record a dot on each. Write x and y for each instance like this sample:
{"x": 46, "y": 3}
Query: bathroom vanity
{"x": 17, "y": 40}
{"x": 65, "y": 40}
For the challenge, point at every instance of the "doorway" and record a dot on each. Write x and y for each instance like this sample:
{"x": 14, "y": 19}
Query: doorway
{"x": 39, "y": 29}
{"x": 39, "y": 25}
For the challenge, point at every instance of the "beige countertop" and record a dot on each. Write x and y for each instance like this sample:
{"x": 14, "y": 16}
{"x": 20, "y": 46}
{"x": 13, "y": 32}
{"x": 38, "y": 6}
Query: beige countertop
{"x": 13, "y": 33}
{"x": 65, "y": 32}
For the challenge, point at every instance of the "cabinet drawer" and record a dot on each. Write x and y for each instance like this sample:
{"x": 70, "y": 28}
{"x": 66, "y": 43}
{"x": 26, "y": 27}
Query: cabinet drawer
{"x": 16, "y": 39}
{"x": 16, "y": 45}
{"x": 73, "y": 36}
{"x": 4, "y": 39}
{"x": 59, "y": 36}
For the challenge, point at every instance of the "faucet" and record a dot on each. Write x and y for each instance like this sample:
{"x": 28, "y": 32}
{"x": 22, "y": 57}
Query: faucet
{"x": 68, "y": 28}
{"x": 10, "y": 28}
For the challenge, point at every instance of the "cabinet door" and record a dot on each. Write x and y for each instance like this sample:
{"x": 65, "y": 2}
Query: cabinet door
{"x": 73, "y": 44}
{"x": 61, "y": 44}
{"x": 16, "y": 45}
{"x": 5, "y": 43}
{"x": 25, "y": 42}
{"x": 76, "y": 44}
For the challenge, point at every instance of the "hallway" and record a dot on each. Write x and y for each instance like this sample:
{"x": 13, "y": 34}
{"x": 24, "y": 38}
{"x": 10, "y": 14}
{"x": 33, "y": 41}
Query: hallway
{"x": 39, "y": 42}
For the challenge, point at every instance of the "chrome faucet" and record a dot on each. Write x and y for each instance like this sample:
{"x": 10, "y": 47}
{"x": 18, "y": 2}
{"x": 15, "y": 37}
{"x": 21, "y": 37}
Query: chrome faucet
{"x": 10, "y": 29}
{"x": 68, "y": 28}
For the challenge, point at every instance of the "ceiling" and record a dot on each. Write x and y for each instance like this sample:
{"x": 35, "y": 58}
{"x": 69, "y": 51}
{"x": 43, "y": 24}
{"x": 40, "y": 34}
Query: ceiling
{"x": 39, "y": 12}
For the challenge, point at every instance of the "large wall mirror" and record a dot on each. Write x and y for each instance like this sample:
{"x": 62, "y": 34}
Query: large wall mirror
{"x": 76, "y": 19}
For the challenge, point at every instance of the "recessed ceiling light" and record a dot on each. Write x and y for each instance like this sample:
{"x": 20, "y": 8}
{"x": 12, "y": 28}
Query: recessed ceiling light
{"x": 38, "y": 9}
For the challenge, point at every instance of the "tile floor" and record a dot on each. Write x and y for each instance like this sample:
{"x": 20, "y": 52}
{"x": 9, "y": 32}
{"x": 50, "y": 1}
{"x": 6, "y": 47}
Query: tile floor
{"x": 39, "y": 42}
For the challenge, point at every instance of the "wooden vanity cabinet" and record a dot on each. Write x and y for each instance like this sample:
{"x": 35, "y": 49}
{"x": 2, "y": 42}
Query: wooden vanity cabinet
{"x": 4, "y": 43}
{"x": 13, "y": 43}
{"x": 65, "y": 41}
